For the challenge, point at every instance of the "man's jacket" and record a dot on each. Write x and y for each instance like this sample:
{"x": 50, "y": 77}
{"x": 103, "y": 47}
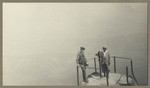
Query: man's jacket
{"x": 81, "y": 58}
{"x": 106, "y": 57}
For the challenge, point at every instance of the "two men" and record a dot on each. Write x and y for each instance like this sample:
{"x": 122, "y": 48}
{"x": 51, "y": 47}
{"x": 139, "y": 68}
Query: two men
{"x": 81, "y": 61}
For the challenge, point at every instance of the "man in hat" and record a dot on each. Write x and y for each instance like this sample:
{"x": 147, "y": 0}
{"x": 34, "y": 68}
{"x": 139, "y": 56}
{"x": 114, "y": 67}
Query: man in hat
{"x": 81, "y": 61}
{"x": 105, "y": 61}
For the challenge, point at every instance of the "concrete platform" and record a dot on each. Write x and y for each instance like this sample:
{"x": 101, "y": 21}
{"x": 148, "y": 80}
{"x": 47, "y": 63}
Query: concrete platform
{"x": 115, "y": 79}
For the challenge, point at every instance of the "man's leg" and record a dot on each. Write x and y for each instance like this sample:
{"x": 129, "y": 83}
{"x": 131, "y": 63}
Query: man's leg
{"x": 104, "y": 73}
{"x": 83, "y": 74}
{"x": 108, "y": 73}
{"x": 107, "y": 77}
{"x": 103, "y": 70}
{"x": 107, "y": 70}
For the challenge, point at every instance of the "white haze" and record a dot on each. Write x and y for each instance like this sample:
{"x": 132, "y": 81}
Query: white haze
{"x": 41, "y": 40}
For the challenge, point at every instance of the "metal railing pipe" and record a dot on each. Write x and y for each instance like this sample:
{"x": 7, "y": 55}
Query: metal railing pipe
{"x": 95, "y": 65}
{"x": 100, "y": 70}
{"x": 107, "y": 79}
{"x": 114, "y": 65}
{"x": 121, "y": 57}
{"x": 133, "y": 73}
{"x": 127, "y": 75}
{"x": 77, "y": 75}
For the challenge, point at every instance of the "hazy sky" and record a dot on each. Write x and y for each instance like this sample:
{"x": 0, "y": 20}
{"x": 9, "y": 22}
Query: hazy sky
{"x": 41, "y": 40}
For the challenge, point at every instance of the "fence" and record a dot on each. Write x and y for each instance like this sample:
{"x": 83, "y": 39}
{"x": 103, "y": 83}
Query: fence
{"x": 115, "y": 70}
{"x": 131, "y": 65}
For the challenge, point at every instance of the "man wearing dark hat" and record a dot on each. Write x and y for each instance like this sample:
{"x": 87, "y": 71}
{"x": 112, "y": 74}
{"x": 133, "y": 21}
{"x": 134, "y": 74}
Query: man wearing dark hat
{"x": 106, "y": 61}
{"x": 81, "y": 61}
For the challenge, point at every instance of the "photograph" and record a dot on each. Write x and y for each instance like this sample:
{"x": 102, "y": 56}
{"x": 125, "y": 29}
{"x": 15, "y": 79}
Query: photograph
{"x": 74, "y": 44}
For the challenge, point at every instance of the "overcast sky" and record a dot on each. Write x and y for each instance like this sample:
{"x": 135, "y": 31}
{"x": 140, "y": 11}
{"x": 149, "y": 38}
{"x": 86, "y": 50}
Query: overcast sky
{"x": 38, "y": 37}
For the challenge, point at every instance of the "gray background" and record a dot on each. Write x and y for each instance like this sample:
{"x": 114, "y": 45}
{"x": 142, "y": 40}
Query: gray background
{"x": 40, "y": 41}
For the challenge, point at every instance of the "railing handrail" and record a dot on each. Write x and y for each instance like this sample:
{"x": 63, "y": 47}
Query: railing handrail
{"x": 114, "y": 66}
{"x": 131, "y": 66}
{"x": 121, "y": 57}
{"x": 112, "y": 57}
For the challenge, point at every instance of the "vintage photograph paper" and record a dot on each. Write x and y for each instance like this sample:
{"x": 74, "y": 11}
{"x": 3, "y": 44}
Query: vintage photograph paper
{"x": 75, "y": 44}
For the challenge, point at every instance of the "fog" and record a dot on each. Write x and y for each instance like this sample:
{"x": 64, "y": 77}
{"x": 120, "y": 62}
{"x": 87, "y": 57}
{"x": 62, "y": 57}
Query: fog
{"x": 41, "y": 40}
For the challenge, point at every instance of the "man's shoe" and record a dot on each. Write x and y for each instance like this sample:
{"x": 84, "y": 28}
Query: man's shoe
{"x": 86, "y": 65}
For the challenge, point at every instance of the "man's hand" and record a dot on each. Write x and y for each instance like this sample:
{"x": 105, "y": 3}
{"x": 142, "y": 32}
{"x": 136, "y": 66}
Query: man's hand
{"x": 82, "y": 66}
{"x": 78, "y": 65}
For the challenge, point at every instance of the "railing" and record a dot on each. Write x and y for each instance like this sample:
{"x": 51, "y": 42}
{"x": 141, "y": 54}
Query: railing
{"x": 127, "y": 75}
{"x": 131, "y": 64}
{"x": 95, "y": 68}
{"x": 114, "y": 57}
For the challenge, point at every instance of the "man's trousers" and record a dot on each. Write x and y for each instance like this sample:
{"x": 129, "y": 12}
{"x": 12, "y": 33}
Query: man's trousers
{"x": 84, "y": 73}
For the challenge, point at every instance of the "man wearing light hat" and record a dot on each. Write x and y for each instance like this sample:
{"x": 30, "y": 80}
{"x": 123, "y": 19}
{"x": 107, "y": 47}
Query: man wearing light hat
{"x": 81, "y": 61}
{"x": 106, "y": 61}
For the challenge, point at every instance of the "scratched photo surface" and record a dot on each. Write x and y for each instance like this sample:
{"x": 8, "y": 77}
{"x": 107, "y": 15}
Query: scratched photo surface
{"x": 41, "y": 40}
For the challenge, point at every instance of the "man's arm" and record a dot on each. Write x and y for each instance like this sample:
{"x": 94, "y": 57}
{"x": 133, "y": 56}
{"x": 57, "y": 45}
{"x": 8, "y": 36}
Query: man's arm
{"x": 77, "y": 59}
{"x": 108, "y": 58}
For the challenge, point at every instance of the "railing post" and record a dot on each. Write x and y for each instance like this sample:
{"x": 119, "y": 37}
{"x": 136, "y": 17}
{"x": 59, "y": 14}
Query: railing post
{"x": 78, "y": 75}
{"x": 100, "y": 68}
{"x": 107, "y": 79}
{"x": 133, "y": 73}
{"x": 114, "y": 65}
{"x": 127, "y": 75}
{"x": 95, "y": 65}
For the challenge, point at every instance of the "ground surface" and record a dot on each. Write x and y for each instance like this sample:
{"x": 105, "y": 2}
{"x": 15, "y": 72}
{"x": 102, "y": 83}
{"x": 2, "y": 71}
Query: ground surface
{"x": 115, "y": 79}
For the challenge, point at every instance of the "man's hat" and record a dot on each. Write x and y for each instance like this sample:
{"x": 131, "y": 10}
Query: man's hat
{"x": 82, "y": 48}
{"x": 104, "y": 47}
